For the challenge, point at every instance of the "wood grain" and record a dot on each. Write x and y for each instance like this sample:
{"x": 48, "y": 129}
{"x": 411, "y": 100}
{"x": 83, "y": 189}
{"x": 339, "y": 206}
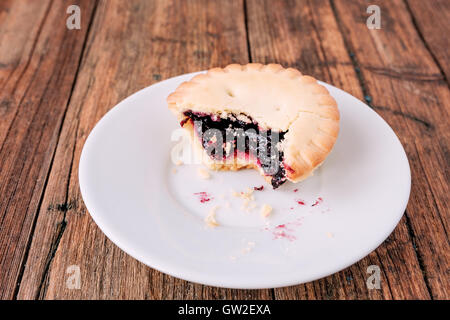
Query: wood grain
{"x": 39, "y": 58}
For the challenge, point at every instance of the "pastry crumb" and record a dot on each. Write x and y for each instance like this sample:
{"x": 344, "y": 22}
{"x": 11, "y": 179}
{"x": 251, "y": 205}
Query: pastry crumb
{"x": 330, "y": 235}
{"x": 203, "y": 173}
{"x": 174, "y": 170}
{"x": 211, "y": 218}
{"x": 179, "y": 163}
{"x": 248, "y": 248}
{"x": 248, "y": 205}
{"x": 266, "y": 210}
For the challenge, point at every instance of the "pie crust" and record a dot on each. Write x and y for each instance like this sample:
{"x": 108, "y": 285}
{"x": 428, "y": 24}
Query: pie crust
{"x": 276, "y": 99}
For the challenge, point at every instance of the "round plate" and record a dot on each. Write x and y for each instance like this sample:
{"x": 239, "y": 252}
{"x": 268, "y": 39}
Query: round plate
{"x": 155, "y": 210}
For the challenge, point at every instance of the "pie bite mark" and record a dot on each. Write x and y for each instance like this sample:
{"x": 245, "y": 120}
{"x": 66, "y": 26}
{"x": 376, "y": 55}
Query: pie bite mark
{"x": 266, "y": 117}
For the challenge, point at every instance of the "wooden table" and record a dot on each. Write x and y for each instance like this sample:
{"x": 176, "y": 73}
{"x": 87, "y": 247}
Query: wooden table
{"x": 57, "y": 83}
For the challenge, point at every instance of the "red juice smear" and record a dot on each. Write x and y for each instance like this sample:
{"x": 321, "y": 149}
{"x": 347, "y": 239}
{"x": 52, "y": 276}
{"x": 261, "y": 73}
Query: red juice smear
{"x": 258, "y": 188}
{"x": 318, "y": 201}
{"x": 282, "y": 234}
{"x": 203, "y": 196}
{"x": 285, "y": 231}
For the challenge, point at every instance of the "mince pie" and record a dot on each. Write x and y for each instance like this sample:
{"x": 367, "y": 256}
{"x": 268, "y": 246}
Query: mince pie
{"x": 258, "y": 116}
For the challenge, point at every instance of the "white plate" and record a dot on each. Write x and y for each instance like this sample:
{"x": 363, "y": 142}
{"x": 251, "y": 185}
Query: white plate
{"x": 129, "y": 187}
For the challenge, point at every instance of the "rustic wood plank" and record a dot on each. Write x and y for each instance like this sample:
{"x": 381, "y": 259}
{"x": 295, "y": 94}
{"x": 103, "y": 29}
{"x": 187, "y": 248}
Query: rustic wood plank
{"x": 200, "y": 38}
{"x": 131, "y": 45}
{"x": 39, "y": 58}
{"x": 305, "y": 34}
{"x": 431, "y": 18}
{"x": 408, "y": 89}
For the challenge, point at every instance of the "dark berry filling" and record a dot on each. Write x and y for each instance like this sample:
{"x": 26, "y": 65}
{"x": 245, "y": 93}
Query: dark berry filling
{"x": 239, "y": 135}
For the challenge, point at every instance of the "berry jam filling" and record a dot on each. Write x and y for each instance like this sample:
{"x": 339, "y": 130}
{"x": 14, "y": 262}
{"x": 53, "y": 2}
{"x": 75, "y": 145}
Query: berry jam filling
{"x": 239, "y": 135}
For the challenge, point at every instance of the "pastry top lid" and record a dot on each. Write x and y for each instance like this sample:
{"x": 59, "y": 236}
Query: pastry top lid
{"x": 271, "y": 95}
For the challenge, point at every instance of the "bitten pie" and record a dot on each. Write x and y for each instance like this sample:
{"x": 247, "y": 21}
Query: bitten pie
{"x": 266, "y": 117}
